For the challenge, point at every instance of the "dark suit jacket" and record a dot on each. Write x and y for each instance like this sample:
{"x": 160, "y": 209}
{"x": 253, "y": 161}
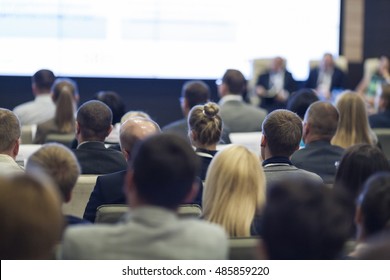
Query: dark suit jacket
{"x": 95, "y": 158}
{"x": 319, "y": 157}
{"x": 338, "y": 79}
{"x": 380, "y": 120}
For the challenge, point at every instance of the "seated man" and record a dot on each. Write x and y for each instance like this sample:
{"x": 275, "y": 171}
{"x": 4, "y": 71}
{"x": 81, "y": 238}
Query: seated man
{"x": 282, "y": 133}
{"x": 9, "y": 142}
{"x": 60, "y": 164}
{"x": 109, "y": 188}
{"x": 382, "y": 118}
{"x": 318, "y": 155}
{"x": 161, "y": 176}
{"x": 93, "y": 125}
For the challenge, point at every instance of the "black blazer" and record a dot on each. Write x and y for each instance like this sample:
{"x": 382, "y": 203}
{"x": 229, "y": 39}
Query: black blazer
{"x": 95, "y": 158}
{"x": 338, "y": 79}
{"x": 380, "y": 120}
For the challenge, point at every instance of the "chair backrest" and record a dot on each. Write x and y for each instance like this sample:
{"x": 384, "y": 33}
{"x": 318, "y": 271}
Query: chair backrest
{"x": 383, "y": 135}
{"x": 341, "y": 62}
{"x": 25, "y": 151}
{"x": 80, "y": 196}
{"x": 370, "y": 66}
{"x": 244, "y": 248}
{"x": 189, "y": 210}
{"x": 251, "y": 140}
{"x": 259, "y": 66}
{"x": 28, "y": 133}
{"x": 65, "y": 139}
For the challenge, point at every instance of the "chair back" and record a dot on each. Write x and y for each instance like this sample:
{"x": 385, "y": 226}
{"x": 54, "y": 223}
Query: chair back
{"x": 383, "y": 135}
{"x": 189, "y": 211}
{"x": 243, "y": 248}
{"x": 251, "y": 140}
{"x": 28, "y": 133}
{"x": 65, "y": 139}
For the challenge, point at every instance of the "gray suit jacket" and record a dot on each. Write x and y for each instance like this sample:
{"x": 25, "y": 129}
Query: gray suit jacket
{"x": 275, "y": 173}
{"x": 242, "y": 117}
{"x": 147, "y": 233}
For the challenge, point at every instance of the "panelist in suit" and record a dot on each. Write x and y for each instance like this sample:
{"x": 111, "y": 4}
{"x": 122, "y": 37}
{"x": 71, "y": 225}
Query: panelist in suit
{"x": 93, "y": 125}
{"x": 161, "y": 176}
{"x": 109, "y": 187}
{"x": 237, "y": 115}
{"x": 275, "y": 86}
{"x": 319, "y": 155}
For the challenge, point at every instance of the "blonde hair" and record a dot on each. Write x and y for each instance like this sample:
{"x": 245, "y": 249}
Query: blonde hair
{"x": 205, "y": 122}
{"x": 234, "y": 192}
{"x": 353, "y": 125}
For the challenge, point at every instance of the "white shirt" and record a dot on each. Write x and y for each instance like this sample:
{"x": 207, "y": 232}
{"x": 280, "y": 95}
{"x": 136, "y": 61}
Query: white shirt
{"x": 41, "y": 109}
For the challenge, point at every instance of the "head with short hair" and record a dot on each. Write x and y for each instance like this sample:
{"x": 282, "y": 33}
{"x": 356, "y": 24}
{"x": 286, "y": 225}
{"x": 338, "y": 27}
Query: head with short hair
{"x": 9, "y": 131}
{"x": 300, "y": 100}
{"x": 162, "y": 171}
{"x": 233, "y": 82}
{"x": 205, "y": 125}
{"x": 114, "y": 101}
{"x": 195, "y": 93}
{"x": 134, "y": 130}
{"x": 233, "y": 192}
{"x": 282, "y": 131}
{"x": 353, "y": 126}
{"x": 31, "y": 218}
{"x": 303, "y": 219}
{"x": 94, "y": 120}
{"x": 321, "y": 120}
{"x": 42, "y": 81}
{"x": 59, "y": 163}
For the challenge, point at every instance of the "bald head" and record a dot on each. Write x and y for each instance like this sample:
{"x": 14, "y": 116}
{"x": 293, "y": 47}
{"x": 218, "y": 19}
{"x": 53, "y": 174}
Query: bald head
{"x": 135, "y": 129}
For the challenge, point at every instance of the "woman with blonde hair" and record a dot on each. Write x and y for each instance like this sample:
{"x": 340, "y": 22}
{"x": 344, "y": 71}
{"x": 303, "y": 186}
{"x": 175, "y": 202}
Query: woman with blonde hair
{"x": 234, "y": 192}
{"x": 353, "y": 125}
{"x": 205, "y": 130}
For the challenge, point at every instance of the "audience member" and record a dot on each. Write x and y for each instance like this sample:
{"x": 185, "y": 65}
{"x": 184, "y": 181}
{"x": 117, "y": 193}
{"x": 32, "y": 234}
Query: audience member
{"x": 132, "y": 114}
{"x": 65, "y": 96}
{"x": 205, "y": 130}
{"x": 9, "y": 142}
{"x": 318, "y": 155}
{"x": 300, "y": 100}
{"x": 382, "y": 118}
{"x": 93, "y": 125}
{"x": 282, "y": 133}
{"x": 234, "y": 192}
{"x": 326, "y": 78}
{"x": 236, "y": 114}
{"x": 60, "y": 164}
{"x": 353, "y": 126}
{"x": 42, "y": 108}
{"x": 303, "y": 220}
{"x": 373, "y": 210}
{"x": 161, "y": 177}
{"x": 109, "y": 188}
{"x": 275, "y": 86}
{"x": 30, "y": 218}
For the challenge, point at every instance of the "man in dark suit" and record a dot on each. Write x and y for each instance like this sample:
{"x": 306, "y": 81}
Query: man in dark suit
{"x": 275, "y": 86}
{"x": 382, "y": 118}
{"x": 93, "y": 125}
{"x": 318, "y": 155}
{"x": 109, "y": 188}
{"x": 326, "y": 78}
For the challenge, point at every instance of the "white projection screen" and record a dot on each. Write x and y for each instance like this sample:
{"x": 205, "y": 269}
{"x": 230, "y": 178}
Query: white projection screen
{"x": 163, "y": 38}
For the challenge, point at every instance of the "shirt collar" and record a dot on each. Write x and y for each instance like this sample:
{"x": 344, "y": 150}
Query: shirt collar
{"x": 277, "y": 161}
{"x": 230, "y": 97}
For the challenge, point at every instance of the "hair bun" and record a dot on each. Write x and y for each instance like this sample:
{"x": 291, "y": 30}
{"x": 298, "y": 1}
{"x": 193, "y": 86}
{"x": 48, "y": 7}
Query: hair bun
{"x": 211, "y": 109}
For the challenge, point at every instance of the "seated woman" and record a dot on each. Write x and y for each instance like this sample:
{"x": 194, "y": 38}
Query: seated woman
{"x": 65, "y": 96}
{"x": 234, "y": 192}
{"x": 205, "y": 130}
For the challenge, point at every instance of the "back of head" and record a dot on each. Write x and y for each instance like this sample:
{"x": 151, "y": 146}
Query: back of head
{"x": 323, "y": 119}
{"x": 283, "y": 130}
{"x": 59, "y": 163}
{"x": 234, "y": 191}
{"x": 94, "y": 118}
{"x": 43, "y": 80}
{"x": 375, "y": 204}
{"x": 358, "y": 163}
{"x": 196, "y": 92}
{"x": 235, "y": 81}
{"x": 9, "y": 130}
{"x": 164, "y": 167}
{"x": 134, "y": 130}
{"x": 300, "y": 100}
{"x": 132, "y": 114}
{"x": 31, "y": 218}
{"x": 205, "y": 124}
{"x": 303, "y": 220}
{"x": 115, "y": 102}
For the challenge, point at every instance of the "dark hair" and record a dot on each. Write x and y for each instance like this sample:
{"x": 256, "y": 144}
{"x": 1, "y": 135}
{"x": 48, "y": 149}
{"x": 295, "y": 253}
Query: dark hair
{"x": 235, "y": 81}
{"x": 43, "y": 79}
{"x": 164, "y": 169}
{"x": 94, "y": 118}
{"x": 115, "y": 102}
{"x": 375, "y": 203}
{"x": 303, "y": 219}
{"x": 196, "y": 93}
{"x": 283, "y": 130}
{"x": 323, "y": 118}
{"x": 300, "y": 100}
{"x": 385, "y": 95}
